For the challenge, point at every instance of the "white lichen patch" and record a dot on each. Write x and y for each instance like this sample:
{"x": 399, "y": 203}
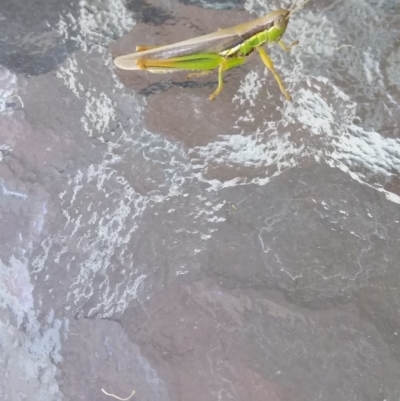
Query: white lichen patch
{"x": 99, "y": 112}
{"x": 393, "y": 70}
{"x": 97, "y": 24}
{"x": 27, "y": 356}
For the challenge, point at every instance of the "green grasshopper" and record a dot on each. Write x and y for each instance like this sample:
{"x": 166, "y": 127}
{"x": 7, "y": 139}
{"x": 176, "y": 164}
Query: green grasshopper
{"x": 224, "y": 49}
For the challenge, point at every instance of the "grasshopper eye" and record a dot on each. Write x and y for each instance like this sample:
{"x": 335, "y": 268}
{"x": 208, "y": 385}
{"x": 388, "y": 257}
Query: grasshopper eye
{"x": 280, "y": 22}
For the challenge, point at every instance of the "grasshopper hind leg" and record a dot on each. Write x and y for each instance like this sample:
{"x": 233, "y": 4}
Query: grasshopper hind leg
{"x": 203, "y": 63}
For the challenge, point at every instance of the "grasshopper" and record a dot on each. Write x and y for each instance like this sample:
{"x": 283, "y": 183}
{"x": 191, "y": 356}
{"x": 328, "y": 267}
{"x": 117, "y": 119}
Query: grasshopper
{"x": 224, "y": 49}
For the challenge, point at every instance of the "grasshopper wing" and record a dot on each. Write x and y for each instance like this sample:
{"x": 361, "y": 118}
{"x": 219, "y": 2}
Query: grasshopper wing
{"x": 211, "y": 43}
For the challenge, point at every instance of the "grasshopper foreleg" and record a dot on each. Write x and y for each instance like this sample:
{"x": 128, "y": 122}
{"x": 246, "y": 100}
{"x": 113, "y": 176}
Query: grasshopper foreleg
{"x": 285, "y": 47}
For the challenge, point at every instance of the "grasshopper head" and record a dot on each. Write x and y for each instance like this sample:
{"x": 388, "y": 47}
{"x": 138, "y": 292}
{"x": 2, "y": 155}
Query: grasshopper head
{"x": 278, "y": 20}
{"x": 281, "y": 20}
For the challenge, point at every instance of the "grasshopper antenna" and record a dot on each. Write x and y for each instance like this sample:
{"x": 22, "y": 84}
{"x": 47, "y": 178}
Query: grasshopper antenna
{"x": 293, "y": 4}
{"x": 293, "y": 9}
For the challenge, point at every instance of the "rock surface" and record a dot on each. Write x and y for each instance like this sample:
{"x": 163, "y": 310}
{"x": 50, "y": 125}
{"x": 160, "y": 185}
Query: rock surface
{"x": 244, "y": 249}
